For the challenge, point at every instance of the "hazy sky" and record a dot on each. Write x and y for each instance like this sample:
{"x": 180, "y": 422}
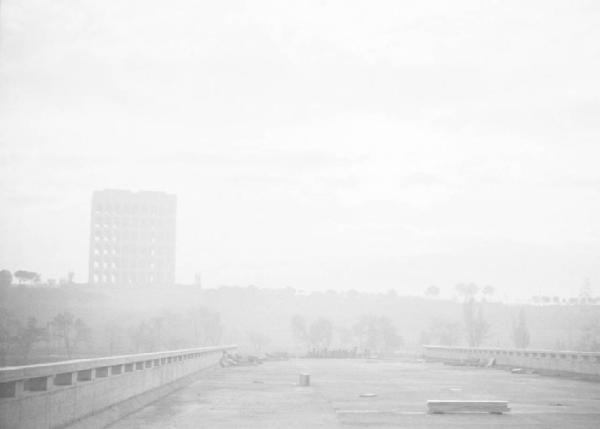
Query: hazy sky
{"x": 331, "y": 144}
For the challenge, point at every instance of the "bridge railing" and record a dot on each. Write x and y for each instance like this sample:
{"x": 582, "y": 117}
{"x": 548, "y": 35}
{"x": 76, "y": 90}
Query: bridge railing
{"x": 94, "y": 392}
{"x": 587, "y": 363}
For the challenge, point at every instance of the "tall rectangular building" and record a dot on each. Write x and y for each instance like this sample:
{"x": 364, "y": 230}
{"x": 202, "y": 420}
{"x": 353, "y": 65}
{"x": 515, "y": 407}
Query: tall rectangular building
{"x": 132, "y": 239}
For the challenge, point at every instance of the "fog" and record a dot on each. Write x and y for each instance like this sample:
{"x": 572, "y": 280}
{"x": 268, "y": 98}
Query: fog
{"x": 322, "y": 145}
{"x": 313, "y": 150}
{"x": 299, "y": 214}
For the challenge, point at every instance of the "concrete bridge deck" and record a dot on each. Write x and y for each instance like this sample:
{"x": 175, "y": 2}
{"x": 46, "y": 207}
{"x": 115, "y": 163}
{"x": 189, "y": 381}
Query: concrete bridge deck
{"x": 266, "y": 397}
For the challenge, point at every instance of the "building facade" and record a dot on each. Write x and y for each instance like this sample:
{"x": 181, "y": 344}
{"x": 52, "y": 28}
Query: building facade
{"x": 132, "y": 238}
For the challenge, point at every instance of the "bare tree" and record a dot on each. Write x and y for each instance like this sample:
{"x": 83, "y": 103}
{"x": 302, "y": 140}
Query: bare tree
{"x": 113, "y": 334}
{"x": 8, "y": 334}
{"x": 520, "y": 331}
{"x": 377, "y": 333}
{"x": 83, "y": 333}
{"x": 476, "y": 327}
{"x": 585, "y": 295}
{"x": 390, "y": 338}
{"x": 432, "y": 291}
{"x": 488, "y": 291}
{"x": 206, "y": 326}
{"x": 299, "y": 329}
{"x": 27, "y": 336}
{"x": 258, "y": 340}
{"x": 5, "y": 278}
{"x": 590, "y": 336}
{"x": 467, "y": 290}
{"x": 70, "y": 331}
{"x": 443, "y": 332}
{"x": 320, "y": 333}
{"x": 142, "y": 337}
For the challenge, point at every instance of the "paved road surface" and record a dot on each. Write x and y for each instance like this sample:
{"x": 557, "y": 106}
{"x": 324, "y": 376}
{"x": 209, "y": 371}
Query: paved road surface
{"x": 266, "y": 396}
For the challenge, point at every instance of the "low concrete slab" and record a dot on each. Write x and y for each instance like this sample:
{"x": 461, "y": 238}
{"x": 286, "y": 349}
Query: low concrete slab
{"x": 458, "y": 406}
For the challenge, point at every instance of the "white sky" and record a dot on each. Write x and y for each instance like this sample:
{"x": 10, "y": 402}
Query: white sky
{"x": 331, "y": 144}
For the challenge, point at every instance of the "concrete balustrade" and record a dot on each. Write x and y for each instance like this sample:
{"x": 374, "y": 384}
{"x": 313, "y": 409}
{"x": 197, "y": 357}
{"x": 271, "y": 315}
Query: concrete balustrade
{"x": 586, "y": 363}
{"x": 91, "y": 393}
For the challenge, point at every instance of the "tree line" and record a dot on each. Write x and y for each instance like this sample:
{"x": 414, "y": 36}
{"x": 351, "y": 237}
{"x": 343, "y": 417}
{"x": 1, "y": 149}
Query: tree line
{"x": 474, "y": 328}
{"x": 66, "y": 336}
{"x": 373, "y": 333}
{"x": 19, "y": 338}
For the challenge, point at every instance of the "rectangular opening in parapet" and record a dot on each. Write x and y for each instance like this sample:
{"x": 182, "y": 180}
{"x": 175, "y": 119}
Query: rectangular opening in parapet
{"x": 38, "y": 384}
{"x": 65, "y": 379}
{"x": 84, "y": 375}
{"x": 102, "y": 372}
{"x": 8, "y": 389}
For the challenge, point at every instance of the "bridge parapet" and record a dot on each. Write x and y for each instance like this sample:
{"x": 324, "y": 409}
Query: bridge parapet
{"x": 574, "y": 362}
{"x": 94, "y": 392}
